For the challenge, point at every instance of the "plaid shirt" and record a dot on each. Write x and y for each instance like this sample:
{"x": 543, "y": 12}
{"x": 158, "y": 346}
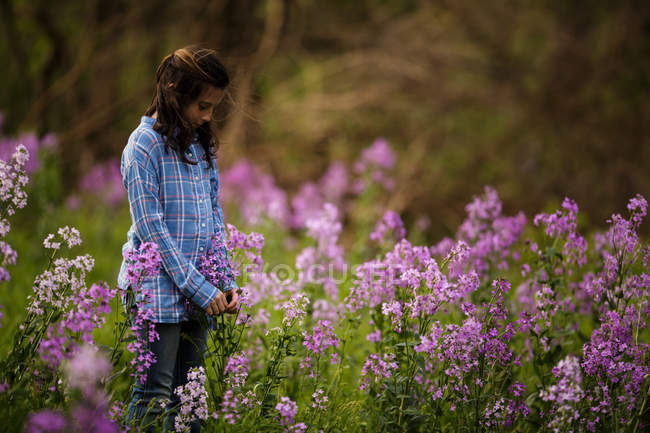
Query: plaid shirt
{"x": 175, "y": 205}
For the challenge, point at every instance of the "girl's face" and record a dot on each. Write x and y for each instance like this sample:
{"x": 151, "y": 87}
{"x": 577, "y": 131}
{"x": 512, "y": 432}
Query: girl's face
{"x": 200, "y": 111}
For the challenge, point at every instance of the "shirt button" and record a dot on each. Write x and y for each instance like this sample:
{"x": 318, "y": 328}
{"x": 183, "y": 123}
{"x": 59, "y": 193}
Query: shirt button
{"x": 196, "y": 177}
{"x": 200, "y": 248}
{"x": 202, "y": 224}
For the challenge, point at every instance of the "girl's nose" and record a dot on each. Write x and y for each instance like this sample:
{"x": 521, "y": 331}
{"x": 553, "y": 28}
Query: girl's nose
{"x": 206, "y": 118}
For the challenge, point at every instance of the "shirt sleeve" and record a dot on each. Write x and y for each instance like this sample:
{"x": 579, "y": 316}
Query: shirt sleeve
{"x": 217, "y": 212}
{"x": 142, "y": 187}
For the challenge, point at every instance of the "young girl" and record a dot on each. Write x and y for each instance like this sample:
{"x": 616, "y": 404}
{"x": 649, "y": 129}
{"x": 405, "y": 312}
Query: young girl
{"x": 170, "y": 174}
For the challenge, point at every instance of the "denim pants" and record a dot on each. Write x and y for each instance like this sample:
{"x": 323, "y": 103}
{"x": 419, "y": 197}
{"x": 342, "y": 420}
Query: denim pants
{"x": 181, "y": 346}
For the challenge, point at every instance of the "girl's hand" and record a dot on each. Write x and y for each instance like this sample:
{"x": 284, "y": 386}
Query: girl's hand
{"x": 218, "y": 305}
{"x": 233, "y": 305}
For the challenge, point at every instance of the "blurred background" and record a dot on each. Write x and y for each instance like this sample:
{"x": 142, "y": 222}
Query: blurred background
{"x": 540, "y": 99}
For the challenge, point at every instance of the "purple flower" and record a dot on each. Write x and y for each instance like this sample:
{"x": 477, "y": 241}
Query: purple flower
{"x": 105, "y": 180}
{"x": 389, "y": 228}
{"x": 193, "y": 400}
{"x": 566, "y": 394}
{"x": 46, "y": 421}
{"x": 488, "y": 234}
{"x": 394, "y": 311}
{"x": 612, "y": 356}
{"x": 237, "y": 369}
{"x": 143, "y": 263}
{"x": 320, "y": 400}
{"x": 306, "y": 204}
{"x": 31, "y": 143}
{"x": 318, "y": 342}
{"x": 373, "y": 164}
{"x": 86, "y": 368}
{"x": 92, "y": 420}
{"x": 294, "y": 309}
{"x": 287, "y": 409}
{"x": 379, "y": 154}
{"x": 638, "y": 207}
{"x": 255, "y": 193}
{"x": 563, "y": 224}
{"x": 334, "y": 183}
{"x": 376, "y": 369}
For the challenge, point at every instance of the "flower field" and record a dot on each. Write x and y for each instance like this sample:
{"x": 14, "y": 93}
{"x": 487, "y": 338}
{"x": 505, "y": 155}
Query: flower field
{"x": 350, "y": 322}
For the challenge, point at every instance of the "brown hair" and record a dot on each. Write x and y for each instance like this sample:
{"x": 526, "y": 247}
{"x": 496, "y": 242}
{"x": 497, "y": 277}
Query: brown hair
{"x": 180, "y": 79}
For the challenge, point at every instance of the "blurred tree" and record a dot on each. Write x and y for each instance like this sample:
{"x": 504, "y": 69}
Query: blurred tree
{"x": 540, "y": 98}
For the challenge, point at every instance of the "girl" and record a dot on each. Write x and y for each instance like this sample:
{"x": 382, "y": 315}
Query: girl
{"x": 169, "y": 171}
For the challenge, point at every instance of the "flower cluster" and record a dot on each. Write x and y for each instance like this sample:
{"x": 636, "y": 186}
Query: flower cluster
{"x": 288, "y": 410}
{"x": 255, "y": 192}
{"x": 376, "y": 369}
{"x": 489, "y": 234}
{"x": 565, "y": 395}
{"x": 81, "y": 316}
{"x": 193, "y": 400}
{"x": 320, "y": 400}
{"x": 250, "y": 244}
{"x": 407, "y": 283}
{"x": 90, "y": 412}
{"x": 317, "y": 343}
{"x": 613, "y": 359}
{"x": 104, "y": 180}
{"x": 460, "y": 352}
{"x": 31, "y": 144}
{"x": 317, "y": 264}
{"x": 389, "y": 229}
{"x": 142, "y": 264}
{"x": 12, "y": 195}
{"x": 215, "y": 265}
{"x": 294, "y": 309}
{"x": 236, "y": 372}
{"x": 563, "y": 224}
{"x": 373, "y": 165}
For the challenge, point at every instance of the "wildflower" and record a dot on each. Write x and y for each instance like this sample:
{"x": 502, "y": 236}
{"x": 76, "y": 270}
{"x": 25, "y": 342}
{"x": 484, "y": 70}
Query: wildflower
{"x": 376, "y": 369}
{"x": 104, "y": 179}
{"x": 46, "y": 421}
{"x": 638, "y": 207}
{"x": 70, "y": 235}
{"x": 294, "y": 309}
{"x": 287, "y": 409}
{"x": 334, "y": 182}
{"x": 193, "y": 400}
{"x": 255, "y": 193}
{"x": 237, "y": 369}
{"x": 612, "y": 356}
{"x": 86, "y": 368}
{"x": 563, "y": 223}
{"x": 488, "y": 233}
{"x": 320, "y": 399}
{"x": 374, "y": 162}
{"x": 394, "y": 311}
{"x": 143, "y": 263}
{"x": 565, "y": 394}
{"x": 389, "y": 228}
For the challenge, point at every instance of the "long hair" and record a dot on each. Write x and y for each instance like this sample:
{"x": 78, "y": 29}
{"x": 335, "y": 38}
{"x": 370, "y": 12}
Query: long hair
{"x": 181, "y": 77}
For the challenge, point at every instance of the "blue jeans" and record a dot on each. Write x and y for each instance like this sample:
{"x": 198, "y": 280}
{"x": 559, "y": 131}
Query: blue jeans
{"x": 181, "y": 347}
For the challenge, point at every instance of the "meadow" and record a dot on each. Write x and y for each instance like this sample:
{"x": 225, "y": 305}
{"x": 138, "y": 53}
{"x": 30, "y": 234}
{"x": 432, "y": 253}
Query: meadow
{"x": 350, "y": 320}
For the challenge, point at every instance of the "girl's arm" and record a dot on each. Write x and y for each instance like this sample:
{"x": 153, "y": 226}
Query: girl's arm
{"x": 142, "y": 186}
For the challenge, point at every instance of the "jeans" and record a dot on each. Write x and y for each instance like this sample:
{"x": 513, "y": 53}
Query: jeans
{"x": 181, "y": 346}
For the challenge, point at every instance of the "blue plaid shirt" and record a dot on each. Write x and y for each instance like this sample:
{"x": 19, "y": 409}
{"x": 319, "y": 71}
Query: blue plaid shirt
{"x": 175, "y": 205}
